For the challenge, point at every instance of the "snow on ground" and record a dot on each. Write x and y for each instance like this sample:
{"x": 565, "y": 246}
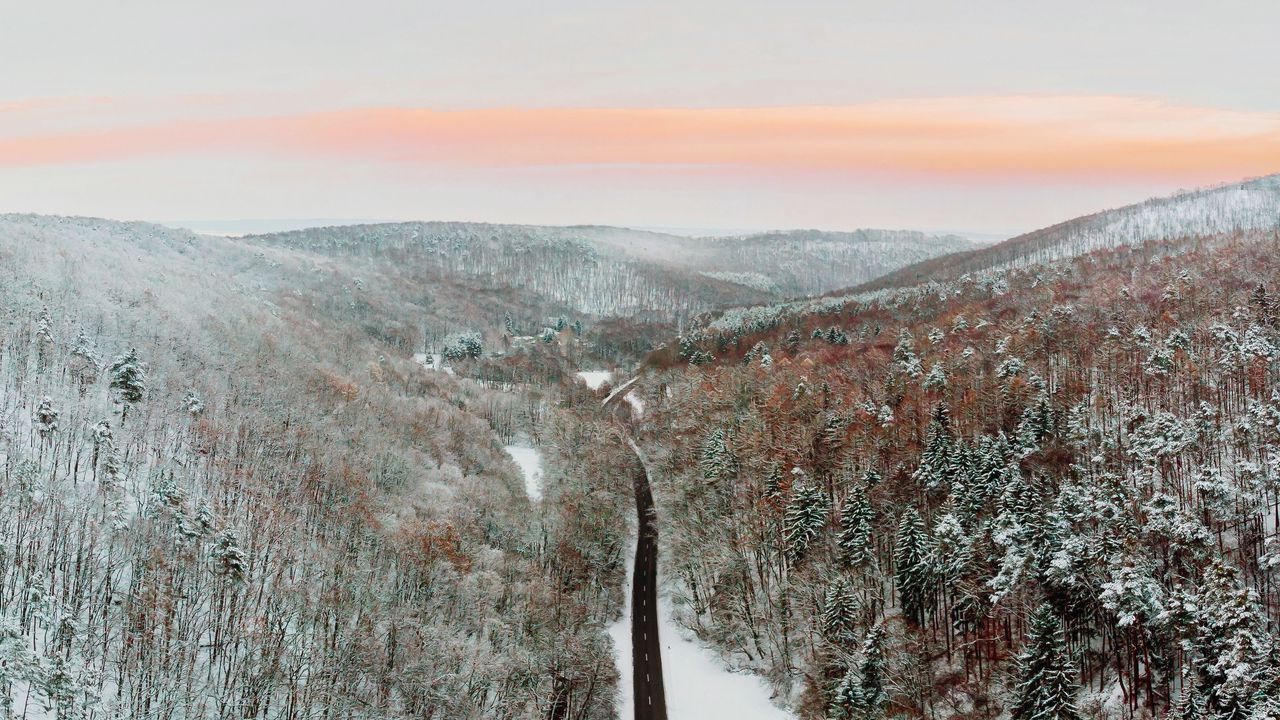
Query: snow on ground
{"x": 530, "y": 462}
{"x": 432, "y": 362}
{"x": 620, "y": 633}
{"x": 623, "y": 389}
{"x": 594, "y": 378}
{"x": 636, "y": 403}
{"x": 699, "y": 686}
{"x": 697, "y": 683}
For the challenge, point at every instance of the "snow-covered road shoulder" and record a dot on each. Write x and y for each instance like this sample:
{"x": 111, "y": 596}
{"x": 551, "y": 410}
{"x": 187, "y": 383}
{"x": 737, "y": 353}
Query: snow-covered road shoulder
{"x": 699, "y": 685}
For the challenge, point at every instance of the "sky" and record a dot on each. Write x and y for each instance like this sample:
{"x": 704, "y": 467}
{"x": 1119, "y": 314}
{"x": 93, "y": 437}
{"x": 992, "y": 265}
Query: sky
{"x": 983, "y": 116}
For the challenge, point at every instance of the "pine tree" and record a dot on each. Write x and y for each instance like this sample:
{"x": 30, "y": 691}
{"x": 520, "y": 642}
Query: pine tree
{"x": 228, "y": 559}
{"x": 904, "y": 355}
{"x": 716, "y": 460}
{"x": 1047, "y": 684}
{"x": 192, "y": 403}
{"x": 912, "y": 571}
{"x": 83, "y": 352}
{"x": 46, "y": 419}
{"x": 1232, "y": 647}
{"x": 839, "y": 612}
{"x": 805, "y": 517}
{"x": 44, "y": 330}
{"x": 855, "y": 530}
{"x": 935, "y": 461}
{"x": 128, "y": 379}
{"x": 936, "y": 379}
{"x": 861, "y": 695}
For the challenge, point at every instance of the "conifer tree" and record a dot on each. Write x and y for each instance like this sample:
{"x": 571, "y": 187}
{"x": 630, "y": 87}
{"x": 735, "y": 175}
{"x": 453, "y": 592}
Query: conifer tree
{"x": 128, "y": 380}
{"x": 228, "y": 558}
{"x": 839, "y": 612}
{"x": 805, "y": 517}
{"x": 1047, "y": 684}
{"x": 855, "y": 530}
{"x": 904, "y": 355}
{"x": 46, "y": 419}
{"x": 861, "y": 694}
{"x": 716, "y": 461}
{"x": 912, "y": 571}
{"x": 936, "y": 461}
{"x": 1233, "y": 649}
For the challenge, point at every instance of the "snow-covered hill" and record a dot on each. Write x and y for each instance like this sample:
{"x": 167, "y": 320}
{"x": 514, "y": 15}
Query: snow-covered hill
{"x": 618, "y": 272}
{"x": 1252, "y": 205}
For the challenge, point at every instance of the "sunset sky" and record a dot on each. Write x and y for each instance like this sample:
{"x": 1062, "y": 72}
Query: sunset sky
{"x": 991, "y": 117}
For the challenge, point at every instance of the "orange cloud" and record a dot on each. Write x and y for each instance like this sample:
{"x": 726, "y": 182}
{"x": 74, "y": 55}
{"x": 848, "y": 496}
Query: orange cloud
{"x": 996, "y": 137}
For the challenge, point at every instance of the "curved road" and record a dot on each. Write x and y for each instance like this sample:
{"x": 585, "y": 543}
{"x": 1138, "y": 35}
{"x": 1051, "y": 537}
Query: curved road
{"x": 646, "y": 649}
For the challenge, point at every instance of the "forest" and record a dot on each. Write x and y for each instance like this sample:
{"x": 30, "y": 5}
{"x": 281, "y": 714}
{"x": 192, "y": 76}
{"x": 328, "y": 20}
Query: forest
{"x": 1042, "y": 492}
{"x": 269, "y": 476}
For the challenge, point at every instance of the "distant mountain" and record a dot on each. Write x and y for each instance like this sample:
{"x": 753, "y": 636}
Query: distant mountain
{"x": 620, "y": 272}
{"x": 1237, "y": 207}
{"x": 812, "y": 262}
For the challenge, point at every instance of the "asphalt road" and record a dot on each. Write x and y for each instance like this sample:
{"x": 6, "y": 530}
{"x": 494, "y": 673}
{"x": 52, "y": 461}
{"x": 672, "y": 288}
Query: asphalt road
{"x": 646, "y": 650}
{"x": 646, "y": 659}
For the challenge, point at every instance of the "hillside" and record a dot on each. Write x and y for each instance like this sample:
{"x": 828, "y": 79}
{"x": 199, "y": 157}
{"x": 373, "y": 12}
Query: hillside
{"x": 800, "y": 263}
{"x": 272, "y": 475}
{"x": 1235, "y": 207}
{"x": 1048, "y": 486}
{"x": 230, "y": 491}
{"x": 616, "y": 272}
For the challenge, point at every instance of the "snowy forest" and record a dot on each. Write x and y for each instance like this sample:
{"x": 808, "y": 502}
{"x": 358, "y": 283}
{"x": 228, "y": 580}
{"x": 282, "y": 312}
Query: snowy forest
{"x": 1041, "y": 492}
{"x": 893, "y": 474}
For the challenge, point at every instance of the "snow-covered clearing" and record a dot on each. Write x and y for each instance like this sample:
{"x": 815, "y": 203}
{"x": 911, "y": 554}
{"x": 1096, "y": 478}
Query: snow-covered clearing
{"x": 594, "y": 378}
{"x": 530, "y": 462}
{"x": 432, "y": 362}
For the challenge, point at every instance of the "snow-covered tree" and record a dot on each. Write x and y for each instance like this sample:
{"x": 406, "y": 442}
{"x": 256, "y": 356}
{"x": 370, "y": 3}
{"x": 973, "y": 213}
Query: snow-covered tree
{"x": 128, "y": 379}
{"x": 856, "y": 549}
{"x": 904, "y": 355}
{"x": 1046, "y": 685}
{"x": 462, "y": 345}
{"x": 806, "y": 516}
{"x": 716, "y": 461}
{"x": 46, "y": 418}
{"x": 192, "y": 403}
{"x": 913, "y": 570}
{"x": 228, "y": 558}
{"x": 839, "y": 612}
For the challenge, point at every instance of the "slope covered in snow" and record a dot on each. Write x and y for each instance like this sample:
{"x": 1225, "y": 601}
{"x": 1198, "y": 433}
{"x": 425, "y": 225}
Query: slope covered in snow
{"x": 1252, "y": 205}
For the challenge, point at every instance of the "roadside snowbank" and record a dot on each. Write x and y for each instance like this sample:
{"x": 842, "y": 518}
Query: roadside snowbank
{"x": 620, "y": 633}
{"x": 699, "y": 686}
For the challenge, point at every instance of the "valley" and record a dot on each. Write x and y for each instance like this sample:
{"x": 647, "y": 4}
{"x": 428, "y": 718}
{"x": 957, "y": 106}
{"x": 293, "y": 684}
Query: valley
{"x": 434, "y": 469}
